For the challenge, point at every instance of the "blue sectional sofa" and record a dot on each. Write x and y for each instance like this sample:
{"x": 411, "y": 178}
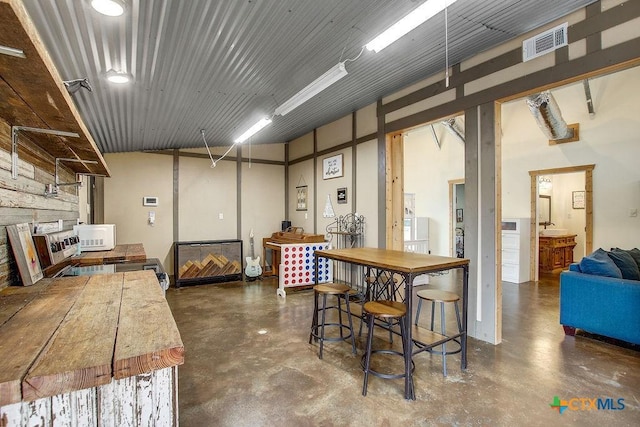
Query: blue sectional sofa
{"x": 600, "y": 305}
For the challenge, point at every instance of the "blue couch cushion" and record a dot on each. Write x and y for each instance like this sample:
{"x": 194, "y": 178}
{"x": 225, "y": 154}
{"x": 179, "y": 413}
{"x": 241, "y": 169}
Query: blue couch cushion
{"x": 626, "y": 264}
{"x": 635, "y": 254}
{"x": 575, "y": 267}
{"x": 599, "y": 264}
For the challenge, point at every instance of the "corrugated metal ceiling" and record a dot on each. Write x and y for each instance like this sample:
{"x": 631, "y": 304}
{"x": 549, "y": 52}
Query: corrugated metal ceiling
{"x": 222, "y": 65}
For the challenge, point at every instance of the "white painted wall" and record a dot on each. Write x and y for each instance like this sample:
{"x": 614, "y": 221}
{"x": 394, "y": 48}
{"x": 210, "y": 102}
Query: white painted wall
{"x": 610, "y": 140}
{"x": 427, "y": 172}
{"x": 205, "y": 193}
{"x": 262, "y": 203}
{"x": 563, "y": 215}
{"x": 366, "y": 183}
{"x": 134, "y": 175}
{"x": 301, "y": 174}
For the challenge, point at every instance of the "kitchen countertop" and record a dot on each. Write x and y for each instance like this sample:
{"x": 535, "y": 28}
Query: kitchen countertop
{"x": 71, "y": 333}
{"x": 126, "y": 252}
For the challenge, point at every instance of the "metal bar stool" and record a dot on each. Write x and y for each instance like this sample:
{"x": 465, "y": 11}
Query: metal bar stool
{"x": 317, "y": 329}
{"x": 441, "y": 297}
{"x": 386, "y": 311}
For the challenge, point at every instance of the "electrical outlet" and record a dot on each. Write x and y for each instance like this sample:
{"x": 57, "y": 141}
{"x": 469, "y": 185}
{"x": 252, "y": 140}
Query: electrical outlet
{"x": 220, "y": 216}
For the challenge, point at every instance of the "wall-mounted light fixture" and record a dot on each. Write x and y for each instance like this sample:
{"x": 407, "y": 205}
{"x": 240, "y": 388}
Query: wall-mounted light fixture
{"x": 544, "y": 182}
{"x": 108, "y": 7}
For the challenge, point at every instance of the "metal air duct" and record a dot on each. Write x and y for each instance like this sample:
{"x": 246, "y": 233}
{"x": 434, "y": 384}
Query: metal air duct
{"x": 452, "y": 126}
{"x": 547, "y": 114}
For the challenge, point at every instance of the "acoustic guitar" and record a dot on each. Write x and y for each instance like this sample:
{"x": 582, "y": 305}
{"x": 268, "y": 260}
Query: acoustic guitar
{"x": 253, "y": 268}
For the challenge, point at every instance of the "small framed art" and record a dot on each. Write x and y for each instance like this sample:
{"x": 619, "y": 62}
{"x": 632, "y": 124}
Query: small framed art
{"x": 301, "y": 204}
{"x": 332, "y": 167}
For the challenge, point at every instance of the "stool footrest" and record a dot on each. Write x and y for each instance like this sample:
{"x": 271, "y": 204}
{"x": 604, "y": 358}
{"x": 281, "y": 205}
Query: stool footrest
{"x": 382, "y": 374}
{"x": 315, "y": 332}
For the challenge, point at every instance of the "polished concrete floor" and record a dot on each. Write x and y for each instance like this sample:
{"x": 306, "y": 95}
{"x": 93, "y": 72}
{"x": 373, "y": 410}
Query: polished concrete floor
{"x": 234, "y": 376}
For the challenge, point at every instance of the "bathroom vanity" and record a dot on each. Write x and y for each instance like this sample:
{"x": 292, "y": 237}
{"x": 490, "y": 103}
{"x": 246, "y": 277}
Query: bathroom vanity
{"x": 556, "y": 252}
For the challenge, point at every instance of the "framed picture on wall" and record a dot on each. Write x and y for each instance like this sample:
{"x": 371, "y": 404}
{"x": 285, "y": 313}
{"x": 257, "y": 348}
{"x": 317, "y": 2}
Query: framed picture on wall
{"x": 301, "y": 204}
{"x": 577, "y": 199}
{"x": 342, "y": 195}
{"x": 332, "y": 167}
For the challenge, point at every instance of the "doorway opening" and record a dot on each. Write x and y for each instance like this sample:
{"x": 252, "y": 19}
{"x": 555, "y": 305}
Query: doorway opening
{"x": 560, "y": 206}
{"x": 456, "y": 218}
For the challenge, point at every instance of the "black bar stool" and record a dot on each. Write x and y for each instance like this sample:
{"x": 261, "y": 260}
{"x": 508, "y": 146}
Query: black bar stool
{"x": 317, "y": 329}
{"x": 386, "y": 311}
{"x": 441, "y": 297}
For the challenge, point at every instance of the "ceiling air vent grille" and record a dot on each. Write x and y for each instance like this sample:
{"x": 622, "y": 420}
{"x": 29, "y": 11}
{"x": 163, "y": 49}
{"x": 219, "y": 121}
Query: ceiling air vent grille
{"x": 543, "y": 43}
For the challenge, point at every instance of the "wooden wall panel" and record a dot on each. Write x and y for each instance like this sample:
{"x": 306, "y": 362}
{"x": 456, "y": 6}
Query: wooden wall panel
{"x": 23, "y": 200}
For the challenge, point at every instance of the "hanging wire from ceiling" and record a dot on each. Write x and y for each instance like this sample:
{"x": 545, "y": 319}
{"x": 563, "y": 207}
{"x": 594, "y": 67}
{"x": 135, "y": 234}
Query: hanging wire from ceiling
{"x": 214, "y": 162}
{"x": 446, "y": 44}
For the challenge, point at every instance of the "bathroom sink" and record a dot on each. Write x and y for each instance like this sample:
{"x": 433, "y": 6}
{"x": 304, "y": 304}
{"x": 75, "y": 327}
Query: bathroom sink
{"x": 554, "y": 232}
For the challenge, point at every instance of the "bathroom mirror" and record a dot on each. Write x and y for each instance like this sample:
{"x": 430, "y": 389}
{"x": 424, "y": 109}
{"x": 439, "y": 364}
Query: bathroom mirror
{"x": 544, "y": 210}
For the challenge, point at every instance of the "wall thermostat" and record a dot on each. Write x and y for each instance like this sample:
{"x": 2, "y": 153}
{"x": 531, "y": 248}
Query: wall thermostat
{"x": 149, "y": 201}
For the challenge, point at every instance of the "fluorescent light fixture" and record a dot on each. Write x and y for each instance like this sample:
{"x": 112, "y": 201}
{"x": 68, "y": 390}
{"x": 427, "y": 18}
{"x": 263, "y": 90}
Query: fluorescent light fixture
{"x": 318, "y": 85}
{"x": 108, "y": 7}
{"x": 252, "y": 130}
{"x": 421, "y": 14}
{"x": 118, "y": 77}
{"x": 6, "y": 50}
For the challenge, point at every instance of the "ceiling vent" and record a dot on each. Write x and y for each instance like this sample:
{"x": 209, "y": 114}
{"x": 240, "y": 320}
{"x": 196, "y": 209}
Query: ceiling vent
{"x": 545, "y": 42}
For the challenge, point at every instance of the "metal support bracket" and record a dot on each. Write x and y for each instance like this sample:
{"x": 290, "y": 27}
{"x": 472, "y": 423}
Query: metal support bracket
{"x": 435, "y": 137}
{"x": 14, "y": 143}
{"x": 587, "y": 94}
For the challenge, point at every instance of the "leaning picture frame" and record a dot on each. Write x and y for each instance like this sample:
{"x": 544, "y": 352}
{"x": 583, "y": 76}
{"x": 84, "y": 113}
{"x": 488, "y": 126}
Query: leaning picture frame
{"x": 332, "y": 167}
{"x": 25, "y": 253}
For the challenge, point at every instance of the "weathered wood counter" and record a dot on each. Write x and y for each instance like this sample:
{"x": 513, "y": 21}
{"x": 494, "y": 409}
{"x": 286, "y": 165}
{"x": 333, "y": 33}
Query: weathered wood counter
{"x": 128, "y": 252}
{"x": 105, "y": 345}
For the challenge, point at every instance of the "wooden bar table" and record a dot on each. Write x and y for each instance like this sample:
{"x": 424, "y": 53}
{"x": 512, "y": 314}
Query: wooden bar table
{"x": 407, "y": 265}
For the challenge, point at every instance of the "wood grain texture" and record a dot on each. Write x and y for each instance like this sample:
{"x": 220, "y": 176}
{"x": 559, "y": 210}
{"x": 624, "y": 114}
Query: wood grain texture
{"x": 90, "y": 330}
{"x": 126, "y": 252}
{"x": 36, "y": 95}
{"x": 143, "y": 346}
{"x": 29, "y": 330}
{"x": 392, "y": 260}
{"x": 135, "y": 252}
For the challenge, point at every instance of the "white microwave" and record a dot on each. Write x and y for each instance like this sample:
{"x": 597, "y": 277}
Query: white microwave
{"x": 96, "y": 237}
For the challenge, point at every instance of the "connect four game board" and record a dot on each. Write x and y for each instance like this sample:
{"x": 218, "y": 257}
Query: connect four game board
{"x": 297, "y": 266}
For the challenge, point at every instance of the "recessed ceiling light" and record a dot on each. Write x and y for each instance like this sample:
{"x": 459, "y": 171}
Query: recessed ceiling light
{"x": 118, "y": 77}
{"x": 108, "y": 7}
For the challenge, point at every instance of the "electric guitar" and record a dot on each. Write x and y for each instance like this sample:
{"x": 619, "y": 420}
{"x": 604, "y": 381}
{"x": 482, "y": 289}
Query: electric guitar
{"x": 253, "y": 268}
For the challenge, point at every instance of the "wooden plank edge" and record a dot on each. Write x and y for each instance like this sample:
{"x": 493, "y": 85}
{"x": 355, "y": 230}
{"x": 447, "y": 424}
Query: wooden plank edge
{"x": 146, "y": 363}
{"x": 50, "y": 385}
{"x": 10, "y": 393}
